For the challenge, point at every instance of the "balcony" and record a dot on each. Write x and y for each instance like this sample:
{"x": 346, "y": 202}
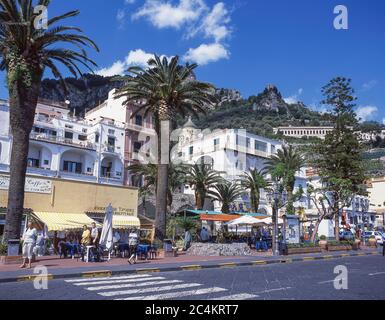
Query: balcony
{"x": 60, "y": 140}
{"x": 77, "y": 176}
{"x": 135, "y": 127}
{"x": 41, "y": 171}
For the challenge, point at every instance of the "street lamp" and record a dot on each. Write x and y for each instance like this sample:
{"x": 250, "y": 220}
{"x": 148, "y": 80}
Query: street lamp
{"x": 277, "y": 199}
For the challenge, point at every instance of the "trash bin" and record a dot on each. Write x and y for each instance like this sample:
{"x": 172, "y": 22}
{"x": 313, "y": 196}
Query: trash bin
{"x": 167, "y": 245}
{"x": 13, "y": 247}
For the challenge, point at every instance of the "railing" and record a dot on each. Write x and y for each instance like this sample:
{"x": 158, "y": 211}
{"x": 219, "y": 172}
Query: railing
{"x": 61, "y": 140}
{"x": 135, "y": 127}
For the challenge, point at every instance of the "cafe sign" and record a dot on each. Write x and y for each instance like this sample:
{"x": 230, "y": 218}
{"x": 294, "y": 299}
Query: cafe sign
{"x": 31, "y": 185}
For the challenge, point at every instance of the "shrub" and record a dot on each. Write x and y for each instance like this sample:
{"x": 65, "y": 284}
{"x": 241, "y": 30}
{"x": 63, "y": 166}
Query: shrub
{"x": 302, "y": 245}
{"x": 340, "y": 243}
{"x": 323, "y": 237}
{"x": 3, "y": 248}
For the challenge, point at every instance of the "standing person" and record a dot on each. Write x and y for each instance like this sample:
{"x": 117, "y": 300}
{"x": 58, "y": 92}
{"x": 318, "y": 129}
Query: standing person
{"x": 94, "y": 234}
{"x": 29, "y": 240}
{"x": 133, "y": 241}
{"x": 205, "y": 237}
{"x": 86, "y": 240}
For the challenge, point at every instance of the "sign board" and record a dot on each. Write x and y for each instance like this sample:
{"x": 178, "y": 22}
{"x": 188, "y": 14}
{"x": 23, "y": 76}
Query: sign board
{"x": 31, "y": 184}
{"x": 292, "y": 229}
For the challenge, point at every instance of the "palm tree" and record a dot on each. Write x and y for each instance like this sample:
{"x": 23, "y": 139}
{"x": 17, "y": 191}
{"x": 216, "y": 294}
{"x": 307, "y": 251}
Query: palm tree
{"x": 27, "y": 48}
{"x": 166, "y": 89}
{"x": 254, "y": 181}
{"x": 226, "y": 193}
{"x": 176, "y": 178}
{"x": 202, "y": 178}
{"x": 283, "y": 166}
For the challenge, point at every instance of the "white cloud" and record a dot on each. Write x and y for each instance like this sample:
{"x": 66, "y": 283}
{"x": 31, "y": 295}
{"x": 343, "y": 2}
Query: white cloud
{"x": 129, "y": 1}
{"x": 369, "y": 85}
{"x": 365, "y": 113}
{"x": 293, "y": 99}
{"x": 117, "y": 68}
{"x": 383, "y": 121}
{"x": 207, "y": 53}
{"x": 165, "y": 15}
{"x": 214, "y": 24}
{"x": 136, "y": 57}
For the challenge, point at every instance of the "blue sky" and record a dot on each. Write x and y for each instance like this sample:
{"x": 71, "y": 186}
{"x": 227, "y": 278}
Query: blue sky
{"x": 246, "y": 44}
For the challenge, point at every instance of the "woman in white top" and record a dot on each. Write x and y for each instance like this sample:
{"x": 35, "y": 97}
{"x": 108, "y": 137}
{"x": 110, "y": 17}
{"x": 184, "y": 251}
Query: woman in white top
{"x": 29, "y": 240}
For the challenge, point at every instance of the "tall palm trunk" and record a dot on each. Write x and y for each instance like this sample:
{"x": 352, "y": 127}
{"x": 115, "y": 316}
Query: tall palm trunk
{"x": 254, "y": 199}
{"x": 199, "y": 200}
{"x": 162, "y": 175}
{"x": 23, "y": 103}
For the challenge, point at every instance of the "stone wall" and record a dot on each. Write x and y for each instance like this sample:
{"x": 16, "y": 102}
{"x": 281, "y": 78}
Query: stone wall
{"x": 218, "y": 249}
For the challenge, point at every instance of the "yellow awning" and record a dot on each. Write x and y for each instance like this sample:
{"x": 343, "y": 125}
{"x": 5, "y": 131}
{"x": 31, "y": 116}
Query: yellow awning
{"x": 124, "y": 222}
{"x": 56, "y": 221}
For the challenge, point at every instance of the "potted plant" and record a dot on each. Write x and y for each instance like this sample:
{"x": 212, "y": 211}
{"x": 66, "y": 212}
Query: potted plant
{"x": 159, "y": 248}
{"x": 323, "y": 242}
{"x": 372, "y": 241}
{"x": 339, "y": 245}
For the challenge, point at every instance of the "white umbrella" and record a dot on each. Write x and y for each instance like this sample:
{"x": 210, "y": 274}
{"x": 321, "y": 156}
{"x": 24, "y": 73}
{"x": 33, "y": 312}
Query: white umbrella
{"x": 245, "y": 220}
{"x": 269, "y": 221}
{"x": 106, "y": 237}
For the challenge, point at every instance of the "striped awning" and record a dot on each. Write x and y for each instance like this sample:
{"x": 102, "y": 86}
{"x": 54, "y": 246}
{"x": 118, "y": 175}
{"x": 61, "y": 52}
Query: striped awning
{"x": 58, "y": 221}
{"x": 124, "y": 222}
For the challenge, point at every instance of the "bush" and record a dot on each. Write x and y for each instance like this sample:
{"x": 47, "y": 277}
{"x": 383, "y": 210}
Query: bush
{"x": 3, "y": 249}
{"x": 302, "y": 245}
{"x": 323, "y": 237}
{"x": 340, "y": 243}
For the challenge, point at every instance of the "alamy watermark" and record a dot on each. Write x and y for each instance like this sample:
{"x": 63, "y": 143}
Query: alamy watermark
{"x": 41, "y": 280}
{"x": 40, "y": 22}
{"x": 341, "y": 280}
{"x": 341, "y": 21}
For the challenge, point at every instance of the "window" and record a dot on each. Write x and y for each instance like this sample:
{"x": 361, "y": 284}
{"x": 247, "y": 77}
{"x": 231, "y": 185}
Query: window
{"x": 46, "y": 162}
{"x": 74, "y": 167}
{"x": 34, "y": 163}
{"x": 138, "y": 120}
{"x": 97, "y": 138}
{"x": 69, "y": 126}
{"x": 261, "y": 146}
{"x": 89, "y": 170}
{"x": 82, "y": 137}
{"x": 191, "y": 151}
{"x": 137, "y": 146}
{"x": 237, "y": 140}
{"x": 216, "y": 144}
{"x": 110, "y": 131}
{"x": 68, "y": 135}
{"x": 84, "y": 130}
{"x": 247, "y": 142}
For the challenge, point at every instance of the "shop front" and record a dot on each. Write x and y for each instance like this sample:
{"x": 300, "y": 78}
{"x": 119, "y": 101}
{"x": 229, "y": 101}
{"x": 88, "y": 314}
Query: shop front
{"x": 63, "y": 205}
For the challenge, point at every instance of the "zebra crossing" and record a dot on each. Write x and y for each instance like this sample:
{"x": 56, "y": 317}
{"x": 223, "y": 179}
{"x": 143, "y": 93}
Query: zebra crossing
{"x": 153, "y": 287}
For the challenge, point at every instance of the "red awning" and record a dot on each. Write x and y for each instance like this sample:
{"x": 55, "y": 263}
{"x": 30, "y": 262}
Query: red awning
{"x": 219, "y": 217}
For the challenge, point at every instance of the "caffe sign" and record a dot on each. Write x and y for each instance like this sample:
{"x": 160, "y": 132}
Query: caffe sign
{"x": 31, "y": 184}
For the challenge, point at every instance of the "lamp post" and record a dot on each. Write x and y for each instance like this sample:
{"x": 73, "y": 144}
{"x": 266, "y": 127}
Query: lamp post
{"x": 277, "y": 199}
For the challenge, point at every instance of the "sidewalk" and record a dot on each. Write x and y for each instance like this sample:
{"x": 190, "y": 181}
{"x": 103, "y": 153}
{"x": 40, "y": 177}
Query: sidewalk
{"x": 68, "y": 268}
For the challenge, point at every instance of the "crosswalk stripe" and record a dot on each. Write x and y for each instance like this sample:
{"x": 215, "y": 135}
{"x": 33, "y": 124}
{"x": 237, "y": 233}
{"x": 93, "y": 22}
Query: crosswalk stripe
{"x": 111, "y": 278}
{"x": 145, "y": 290}
{"x": 132, "y": 285}
{"x": 241, "y": 296}
{"x": 117, "y": 281}
{"x": 178, "y": 294}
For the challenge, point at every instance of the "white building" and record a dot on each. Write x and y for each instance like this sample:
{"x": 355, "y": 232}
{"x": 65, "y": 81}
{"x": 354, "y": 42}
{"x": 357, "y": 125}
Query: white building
{"x": 137, "y": 129}
{"x": 229, "y": 151}
{"x": 66, "y": 147}
{"x": 302, "y": 131}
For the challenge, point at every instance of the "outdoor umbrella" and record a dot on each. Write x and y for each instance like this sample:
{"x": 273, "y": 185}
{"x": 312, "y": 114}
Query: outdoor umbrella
{"x": 269, "y": 221}
{"x": 245, "y": 220}
{"x": 106, "y": 237}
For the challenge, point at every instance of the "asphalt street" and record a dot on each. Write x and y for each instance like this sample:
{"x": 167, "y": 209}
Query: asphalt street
{"x": 312, "y": 280}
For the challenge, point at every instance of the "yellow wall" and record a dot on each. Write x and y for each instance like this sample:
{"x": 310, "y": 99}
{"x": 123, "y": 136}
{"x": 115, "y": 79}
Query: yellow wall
{"x": 377, "y": 192}
{"x": 73, "y": 197}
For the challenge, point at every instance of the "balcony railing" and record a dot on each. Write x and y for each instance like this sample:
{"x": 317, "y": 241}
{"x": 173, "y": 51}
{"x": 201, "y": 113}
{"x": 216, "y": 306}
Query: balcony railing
{"x": 61, "y": 140}
{"x": 135, "y": 127}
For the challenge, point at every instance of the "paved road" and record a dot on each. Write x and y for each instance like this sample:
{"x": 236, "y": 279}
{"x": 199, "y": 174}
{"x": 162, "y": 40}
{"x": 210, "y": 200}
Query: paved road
{"x": 302, "y": 280}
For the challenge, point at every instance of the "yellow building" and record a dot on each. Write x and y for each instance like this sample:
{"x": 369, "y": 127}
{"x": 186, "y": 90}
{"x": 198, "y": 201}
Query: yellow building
{"x": 69, "y": 203}
{"x": 376, "y": 189}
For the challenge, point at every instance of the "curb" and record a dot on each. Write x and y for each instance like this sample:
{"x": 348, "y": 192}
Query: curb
{"x": 109, "y": 273}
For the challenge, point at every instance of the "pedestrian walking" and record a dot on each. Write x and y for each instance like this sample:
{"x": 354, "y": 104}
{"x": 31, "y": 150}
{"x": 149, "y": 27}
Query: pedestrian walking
{"x": 133, "y": 242}
{"x": 29, "y": 241}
